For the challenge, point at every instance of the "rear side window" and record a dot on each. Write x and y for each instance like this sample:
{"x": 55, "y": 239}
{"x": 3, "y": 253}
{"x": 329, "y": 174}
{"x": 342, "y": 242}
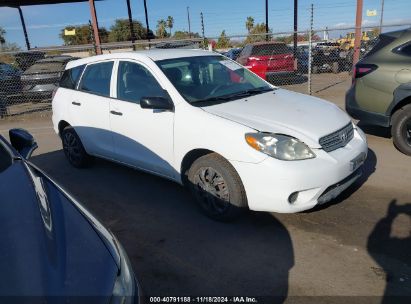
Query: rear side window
{"x": 96, "y": 78}
{"x": 70, "y": 77}
{"x": 270, "y": 49}
{"x": 381, "y": 42}
{"x": 404, "y": 50}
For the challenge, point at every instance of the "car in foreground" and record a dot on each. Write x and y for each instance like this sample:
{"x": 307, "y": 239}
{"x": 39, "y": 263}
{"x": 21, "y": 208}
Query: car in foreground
{"x": 203, "y": 120}
{"x": 269, "y": 60}
{"x": 53, "y": 249}
{"x": 380, "y": 94}
{"x": 41, "y": 79}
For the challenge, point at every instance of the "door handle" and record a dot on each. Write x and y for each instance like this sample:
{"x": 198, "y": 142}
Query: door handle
{"x": 116, "y": 113}
{"x": 76, "y": 103}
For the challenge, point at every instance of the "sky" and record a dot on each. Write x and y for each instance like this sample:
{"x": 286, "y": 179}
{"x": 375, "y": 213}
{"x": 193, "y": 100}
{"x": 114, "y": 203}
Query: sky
{"x": 44, "y": 22}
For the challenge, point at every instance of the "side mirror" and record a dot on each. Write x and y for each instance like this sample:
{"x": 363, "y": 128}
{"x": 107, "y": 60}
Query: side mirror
{"x": 23, "y": 142}
{"x": 156, "y": 103}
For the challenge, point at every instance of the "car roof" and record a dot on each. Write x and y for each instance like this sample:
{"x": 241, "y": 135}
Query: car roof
{"x": 155, "y": 55}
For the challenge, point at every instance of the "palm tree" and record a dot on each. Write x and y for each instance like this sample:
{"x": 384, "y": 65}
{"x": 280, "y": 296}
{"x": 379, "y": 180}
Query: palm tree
{"x": 161, "y": 28}
{"x": 249, "y": 24}
{"x": 170, "y": 23}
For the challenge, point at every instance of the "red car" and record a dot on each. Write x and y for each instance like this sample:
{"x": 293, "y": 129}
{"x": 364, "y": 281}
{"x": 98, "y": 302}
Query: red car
{"x": 268, "y": 59}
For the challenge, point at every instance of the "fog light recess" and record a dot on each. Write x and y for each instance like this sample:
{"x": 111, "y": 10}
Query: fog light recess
{"x": 293, "y": 197}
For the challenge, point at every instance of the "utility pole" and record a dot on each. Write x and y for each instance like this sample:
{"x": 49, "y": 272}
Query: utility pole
{"x": 202, "y": 29}
{"x": 189, "y": 23}
{"x": 147, "y": 26}
{"x": 95, "y": 27}
{"x": 266, "y": 19}
{"x": 130, "y": 22}
{"x": 310, "y": 42}
{"x": 295, "y": 31}
{"x": 357, "y": 40}
{"x": 26, "y": 37}
{"x": 382, "y": 15}
{"x": 93, "y": 42}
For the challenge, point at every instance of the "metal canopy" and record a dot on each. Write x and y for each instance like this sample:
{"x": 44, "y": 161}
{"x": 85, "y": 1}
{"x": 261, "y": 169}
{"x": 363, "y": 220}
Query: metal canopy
{"x": 15, "y": 3}
{"x": 18, "y": 4}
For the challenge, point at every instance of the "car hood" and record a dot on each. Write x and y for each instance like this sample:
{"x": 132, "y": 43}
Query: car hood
{"x": 48, "y": 248}
{"x": 304, "y": 117}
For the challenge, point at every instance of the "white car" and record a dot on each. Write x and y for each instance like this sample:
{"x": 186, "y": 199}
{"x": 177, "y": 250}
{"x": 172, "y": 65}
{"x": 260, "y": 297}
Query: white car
{"x": 202, "y": 120}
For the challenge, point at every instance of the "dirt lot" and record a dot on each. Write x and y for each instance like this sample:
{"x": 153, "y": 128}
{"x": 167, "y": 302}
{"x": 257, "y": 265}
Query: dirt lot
{"x": 360, "y": 245}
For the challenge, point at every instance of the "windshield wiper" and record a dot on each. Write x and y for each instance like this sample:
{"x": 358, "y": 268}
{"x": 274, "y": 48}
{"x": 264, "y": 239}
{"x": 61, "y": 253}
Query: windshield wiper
{"x": 232, "y": 96}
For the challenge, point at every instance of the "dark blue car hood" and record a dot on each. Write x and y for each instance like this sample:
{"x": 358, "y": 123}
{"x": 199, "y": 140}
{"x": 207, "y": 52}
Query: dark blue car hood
{"x": 48, "y": 247}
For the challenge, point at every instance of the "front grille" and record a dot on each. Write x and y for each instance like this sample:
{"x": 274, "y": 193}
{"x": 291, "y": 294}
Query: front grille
{"x": 337, "y": 139}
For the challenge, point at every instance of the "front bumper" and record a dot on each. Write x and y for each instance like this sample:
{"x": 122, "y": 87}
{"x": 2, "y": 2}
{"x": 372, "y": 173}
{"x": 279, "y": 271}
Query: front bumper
{"x": 270, "y": 183}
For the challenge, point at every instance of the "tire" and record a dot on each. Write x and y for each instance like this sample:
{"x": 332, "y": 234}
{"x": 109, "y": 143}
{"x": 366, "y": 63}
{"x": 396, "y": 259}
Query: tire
{"x": 336, "y": 67}
{"x": 401, "y": 129}
{"x": 315, "y": 69}
{"x": 217, "y": 187}
{"x": 74, "y": 149}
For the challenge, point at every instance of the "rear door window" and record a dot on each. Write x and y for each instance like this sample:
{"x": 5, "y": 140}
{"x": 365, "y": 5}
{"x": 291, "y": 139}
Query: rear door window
{"x": 96, "y": 78}
{"x": 70, "y": 77}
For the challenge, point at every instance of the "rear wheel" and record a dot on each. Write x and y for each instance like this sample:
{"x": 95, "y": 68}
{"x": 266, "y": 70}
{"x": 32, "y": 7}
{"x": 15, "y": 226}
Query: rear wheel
{"x": 401, "y": 129}
{"x": 73, "y": 148}
{"x": 315, "y": 69}
{"x": 217, "y": 187}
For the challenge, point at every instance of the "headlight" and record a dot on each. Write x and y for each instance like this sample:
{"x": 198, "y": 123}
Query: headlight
{"x": 123, "y": 291}
{"x": 279, "y": 146}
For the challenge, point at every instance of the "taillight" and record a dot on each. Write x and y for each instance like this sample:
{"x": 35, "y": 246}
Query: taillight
{"x": 362, "y": 69}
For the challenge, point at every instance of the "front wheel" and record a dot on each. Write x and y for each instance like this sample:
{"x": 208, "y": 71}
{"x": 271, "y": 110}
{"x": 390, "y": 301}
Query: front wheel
{"x": 401, "y": 129}
{"x": 217, "y": 187}
{"x": 73, "y": 148}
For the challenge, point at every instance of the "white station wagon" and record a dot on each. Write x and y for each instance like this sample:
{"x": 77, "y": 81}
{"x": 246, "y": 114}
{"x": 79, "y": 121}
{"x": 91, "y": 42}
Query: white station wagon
{"x": 202, "y": 120}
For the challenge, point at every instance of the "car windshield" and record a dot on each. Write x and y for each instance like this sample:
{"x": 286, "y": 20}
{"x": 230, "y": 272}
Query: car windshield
{"x": 206, "y": 80}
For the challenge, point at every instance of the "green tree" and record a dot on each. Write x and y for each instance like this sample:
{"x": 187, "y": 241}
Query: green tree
{"x": 83, "y": 35}
{"x": 2, "y": 35}
{"x": 257, "y": 33}
{"x": 249, "y": 24}
{"x": 120, "y": 31}
{"x": 185, "y": 35}
{"x": 170, "y": 23}
{"x": 161, "y": 28}
{"x": 223, "y": 41}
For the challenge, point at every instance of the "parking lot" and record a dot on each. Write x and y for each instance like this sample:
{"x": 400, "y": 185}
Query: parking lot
{"x": 358, "y": 245}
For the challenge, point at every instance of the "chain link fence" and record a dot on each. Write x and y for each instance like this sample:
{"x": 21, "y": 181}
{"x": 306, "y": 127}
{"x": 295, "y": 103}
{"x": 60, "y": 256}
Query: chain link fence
{"x": 321, "y": 62}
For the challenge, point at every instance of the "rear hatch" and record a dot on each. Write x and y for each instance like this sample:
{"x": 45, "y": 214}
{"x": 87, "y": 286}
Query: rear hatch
{"x": 277, "y": 57}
